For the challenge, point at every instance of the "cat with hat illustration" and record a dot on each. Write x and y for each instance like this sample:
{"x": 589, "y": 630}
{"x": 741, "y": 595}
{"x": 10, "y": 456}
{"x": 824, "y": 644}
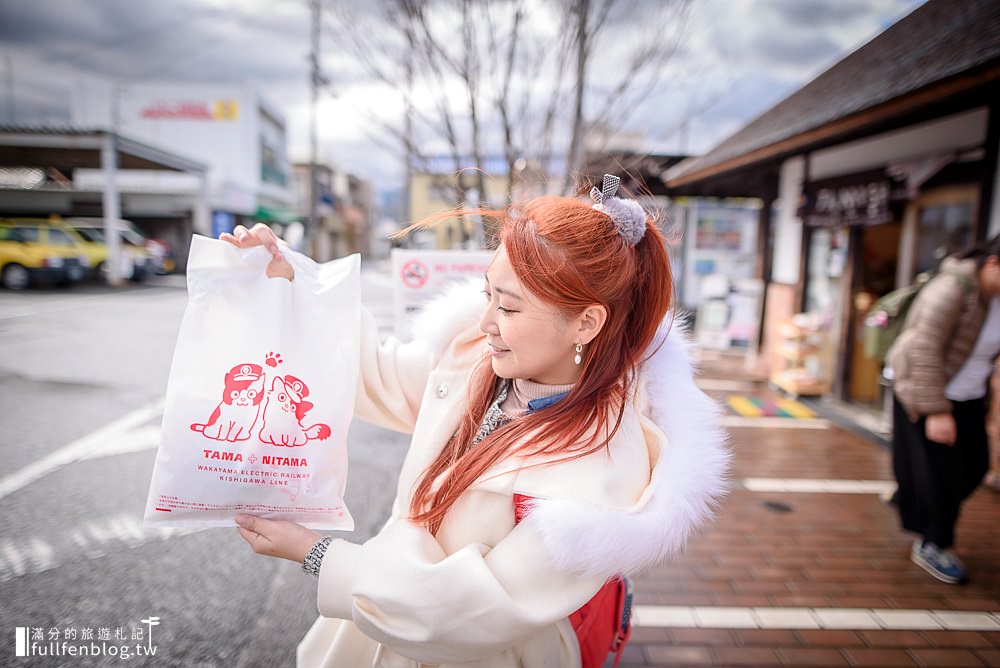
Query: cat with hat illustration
{"x": 283, "y": 412}
{"x": 235, "y": 416}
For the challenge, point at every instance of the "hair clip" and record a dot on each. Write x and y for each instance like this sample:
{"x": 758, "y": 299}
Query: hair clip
{"x": 627, "y": 215}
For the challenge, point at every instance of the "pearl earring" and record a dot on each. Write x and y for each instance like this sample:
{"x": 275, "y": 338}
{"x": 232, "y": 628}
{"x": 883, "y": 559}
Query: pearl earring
{"x": 579, "y": 349}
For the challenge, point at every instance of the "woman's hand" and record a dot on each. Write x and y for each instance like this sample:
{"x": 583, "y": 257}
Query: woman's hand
{"x": 940, "y": 428}
{"x": 277, "y": 538}
{"x": 262, "y": 235}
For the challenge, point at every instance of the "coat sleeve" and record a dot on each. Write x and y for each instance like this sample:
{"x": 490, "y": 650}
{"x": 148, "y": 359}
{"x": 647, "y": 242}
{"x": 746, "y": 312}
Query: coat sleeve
{"x": 401, "y": 590}
{"x": 941, "y": 309}
{"x": 391, "y": 380}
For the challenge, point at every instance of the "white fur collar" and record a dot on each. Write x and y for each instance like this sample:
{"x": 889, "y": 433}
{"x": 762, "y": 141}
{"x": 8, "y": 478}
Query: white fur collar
{"x": 686, "y": 484}
{"x": 457, "y": 308}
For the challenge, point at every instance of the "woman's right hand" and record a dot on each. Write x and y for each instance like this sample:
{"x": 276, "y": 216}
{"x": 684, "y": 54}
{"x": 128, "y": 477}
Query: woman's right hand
{"x": 262, "y": 235}
{"x": 940, "y": 428}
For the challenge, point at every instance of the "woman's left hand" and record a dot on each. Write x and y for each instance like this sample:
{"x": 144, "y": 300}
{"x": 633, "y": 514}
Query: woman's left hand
{"x": 277, "y": 538}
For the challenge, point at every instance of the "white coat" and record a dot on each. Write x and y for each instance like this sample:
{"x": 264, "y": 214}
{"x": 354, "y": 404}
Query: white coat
{"x": 484, "y": 591}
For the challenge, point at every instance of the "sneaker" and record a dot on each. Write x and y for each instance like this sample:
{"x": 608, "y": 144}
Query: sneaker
{"x": 942, "y": 564}
{"x": 992, "y": 481}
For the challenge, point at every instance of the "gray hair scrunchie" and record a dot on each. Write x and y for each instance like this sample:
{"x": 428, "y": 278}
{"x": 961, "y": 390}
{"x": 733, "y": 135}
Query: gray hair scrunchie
{"x": 627, "y": 215}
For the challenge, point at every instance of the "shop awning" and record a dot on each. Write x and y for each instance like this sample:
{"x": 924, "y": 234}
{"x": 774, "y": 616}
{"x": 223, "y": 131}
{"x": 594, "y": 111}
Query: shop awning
{"x": 269, "y": 214}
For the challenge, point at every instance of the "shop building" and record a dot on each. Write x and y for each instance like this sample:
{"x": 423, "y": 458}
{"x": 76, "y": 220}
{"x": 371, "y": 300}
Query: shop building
{"x": 232, "y": 129}
{"x": 866, "y": 176}
{"x": 40, "y": 176}
{"x": 435, "y": 185}
{"x": 344, "y": 210}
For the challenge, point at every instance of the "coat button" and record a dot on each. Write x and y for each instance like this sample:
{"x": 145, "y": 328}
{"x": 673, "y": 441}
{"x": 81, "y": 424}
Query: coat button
{"x": 442, "y": 391}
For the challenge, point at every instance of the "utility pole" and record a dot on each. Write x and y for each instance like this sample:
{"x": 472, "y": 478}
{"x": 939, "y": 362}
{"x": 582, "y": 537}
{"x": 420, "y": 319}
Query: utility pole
{"x": 408, "y": 125}
{"x": 317, "y": 80}
{"x": 111, "y": 207}
{"x": 111, "y": 201}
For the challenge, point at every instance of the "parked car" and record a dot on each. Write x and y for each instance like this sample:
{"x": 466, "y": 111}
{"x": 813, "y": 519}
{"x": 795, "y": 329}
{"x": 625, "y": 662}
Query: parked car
{"x": 149, "y": 255}
{"x": 136, "y": 263}
{"x": 31, "y": 251}
{"x": 163, "y": 255}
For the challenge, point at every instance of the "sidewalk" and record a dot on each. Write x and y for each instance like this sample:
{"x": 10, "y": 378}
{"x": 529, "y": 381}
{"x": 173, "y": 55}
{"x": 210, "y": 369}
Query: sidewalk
{"x": 818, "y": 576}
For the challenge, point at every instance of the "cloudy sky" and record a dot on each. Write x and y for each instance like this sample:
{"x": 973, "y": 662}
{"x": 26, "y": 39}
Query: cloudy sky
{"x": 735, "y": 59}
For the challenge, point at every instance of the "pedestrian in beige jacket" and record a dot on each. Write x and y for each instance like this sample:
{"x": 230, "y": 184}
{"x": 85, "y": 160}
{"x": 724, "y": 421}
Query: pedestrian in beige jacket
{"x": 993, "y": 429}
{"x": 941, "y": 365}
{"x": 558, "y": 443}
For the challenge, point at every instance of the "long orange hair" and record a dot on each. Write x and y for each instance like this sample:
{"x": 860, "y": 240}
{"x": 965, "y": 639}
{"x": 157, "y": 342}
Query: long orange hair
{"x": 570, "y": 256}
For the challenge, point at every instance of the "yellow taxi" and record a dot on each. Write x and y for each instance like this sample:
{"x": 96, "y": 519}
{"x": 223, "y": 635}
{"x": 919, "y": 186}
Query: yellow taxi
{"x": 33, "y": 251}
{"x": 137, "y": 262}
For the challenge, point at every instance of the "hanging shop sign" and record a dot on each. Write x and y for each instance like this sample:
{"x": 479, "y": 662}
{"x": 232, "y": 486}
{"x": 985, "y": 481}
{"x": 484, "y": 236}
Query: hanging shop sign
{"x": 191, "y": 110}
{"x": 858, "y": 200}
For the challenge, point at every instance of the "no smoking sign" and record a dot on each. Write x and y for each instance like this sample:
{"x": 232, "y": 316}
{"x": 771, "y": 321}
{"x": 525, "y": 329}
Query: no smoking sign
{"x": 415, "y": 274}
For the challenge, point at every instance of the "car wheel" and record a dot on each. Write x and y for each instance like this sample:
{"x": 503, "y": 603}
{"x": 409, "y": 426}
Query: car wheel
{"x": 15, "y": 277}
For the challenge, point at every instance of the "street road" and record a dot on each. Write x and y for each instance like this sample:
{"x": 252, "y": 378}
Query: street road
{"x": 83, "y": 372}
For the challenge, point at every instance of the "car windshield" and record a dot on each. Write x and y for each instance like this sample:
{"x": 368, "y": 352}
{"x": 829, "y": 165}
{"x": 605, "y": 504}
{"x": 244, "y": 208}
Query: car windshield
{"x": 27, "y": 233}
{"x": 97, "y": 236}
{"x": 132, "y": 238}
{"x": 93, "y": 234}
{"x": 59, "y": 238}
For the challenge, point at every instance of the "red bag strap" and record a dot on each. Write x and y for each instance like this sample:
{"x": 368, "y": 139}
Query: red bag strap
{"x": 625, "y": 626}
{"x": 522, "y": 506}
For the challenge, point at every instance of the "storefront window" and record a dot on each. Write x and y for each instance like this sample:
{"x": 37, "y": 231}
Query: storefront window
{"x": 827, "y": 263}
{"x": 720, "y": 240}
{"x": 826, "y": 268}
{"x": 944, "y": 229}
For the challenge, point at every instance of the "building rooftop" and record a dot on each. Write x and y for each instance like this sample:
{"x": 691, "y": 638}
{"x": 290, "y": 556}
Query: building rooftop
{"x": 936, "y": 42}
{"x": 66, "y": 148}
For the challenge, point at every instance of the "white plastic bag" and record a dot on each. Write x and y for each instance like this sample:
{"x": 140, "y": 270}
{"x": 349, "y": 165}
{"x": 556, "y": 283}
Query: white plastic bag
{"x": 261, "y": 392}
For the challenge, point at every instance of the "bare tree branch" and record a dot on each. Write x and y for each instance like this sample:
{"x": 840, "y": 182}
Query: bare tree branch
{"x": 503, "y": 100}
{"x": 581, "y": 12}
{"x": 648, "y": 60}
{"x": 470, "y": 74}
{"x": 511, "y": 77}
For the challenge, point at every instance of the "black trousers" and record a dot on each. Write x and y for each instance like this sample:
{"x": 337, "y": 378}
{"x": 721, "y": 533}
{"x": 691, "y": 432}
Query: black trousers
{"x": 934, "y": 479}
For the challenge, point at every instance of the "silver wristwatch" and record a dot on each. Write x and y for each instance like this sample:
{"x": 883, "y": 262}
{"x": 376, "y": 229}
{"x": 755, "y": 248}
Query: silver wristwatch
{"x": 314, "y": 559}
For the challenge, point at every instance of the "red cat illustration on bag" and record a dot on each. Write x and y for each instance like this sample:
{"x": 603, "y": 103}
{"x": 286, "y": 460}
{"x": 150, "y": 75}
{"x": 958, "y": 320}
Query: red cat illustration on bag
{"x": 235, "y": 416}
{"x": 283, "y": 414}
{"x": 281, "y": 410}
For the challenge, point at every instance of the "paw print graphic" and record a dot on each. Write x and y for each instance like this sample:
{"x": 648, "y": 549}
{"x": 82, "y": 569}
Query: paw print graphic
{"x": 273, "y": 359}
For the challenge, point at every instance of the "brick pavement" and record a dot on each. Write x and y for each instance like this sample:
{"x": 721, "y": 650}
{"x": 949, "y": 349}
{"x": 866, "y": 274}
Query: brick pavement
{"x": 765, "y": 583}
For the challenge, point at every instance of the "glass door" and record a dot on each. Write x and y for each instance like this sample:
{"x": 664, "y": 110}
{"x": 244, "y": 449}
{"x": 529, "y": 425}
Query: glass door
{"x": 876, "y": 276}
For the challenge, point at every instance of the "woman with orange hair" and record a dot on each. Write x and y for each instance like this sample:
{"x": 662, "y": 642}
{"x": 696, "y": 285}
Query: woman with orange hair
{"x": 559, "y": 444}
